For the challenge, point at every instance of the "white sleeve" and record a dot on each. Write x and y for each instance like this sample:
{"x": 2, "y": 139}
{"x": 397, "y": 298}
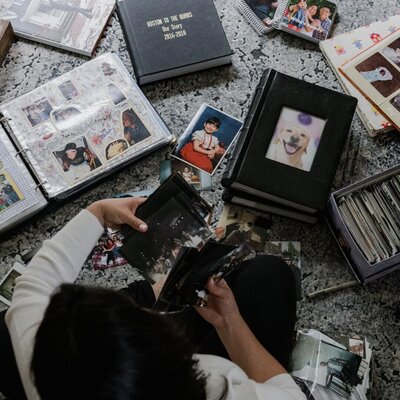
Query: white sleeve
{"x": 58, "y": 261}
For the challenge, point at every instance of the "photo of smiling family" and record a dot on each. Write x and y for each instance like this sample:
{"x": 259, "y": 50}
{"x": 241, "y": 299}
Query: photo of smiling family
{"x": 207, "y": 139}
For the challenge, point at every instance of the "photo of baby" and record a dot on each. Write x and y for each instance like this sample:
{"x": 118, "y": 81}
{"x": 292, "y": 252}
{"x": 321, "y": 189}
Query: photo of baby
{"x": 380, "y": 73}
{"x": 77, "y": 159}
{"x": 68, "y": 90}
{"x": 296, "y": 139}
{"x": 38, "y": 112}
{"x": 207, "y": 139}
{"x": 392, "y": 52}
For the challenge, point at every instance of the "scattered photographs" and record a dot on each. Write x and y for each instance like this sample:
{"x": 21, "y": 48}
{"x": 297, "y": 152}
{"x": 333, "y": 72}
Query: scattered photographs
{"x": 237, "y": 226}
{"x": 116, "y": 148}
{"x": 115, "y": 93}
{"x": 77, "y": 159}
{"x": 372, "y": 216}
{"x": 134, "y": 129}
{"x": 38, "y": 112}
{"x": 9, "y": 191}
{"x": 68, "y": 90}
{"x": 380, "y": 73}
{"x": 207, "y": 139}
{"x": 195, "y": 177}
{"x": 106, "y": 253}
{"x": 8, "y": 283}
{"x": 296, "y": 139}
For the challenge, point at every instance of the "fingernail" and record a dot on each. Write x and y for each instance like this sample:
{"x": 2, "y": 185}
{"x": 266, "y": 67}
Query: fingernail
{"x": 142, "y": 227}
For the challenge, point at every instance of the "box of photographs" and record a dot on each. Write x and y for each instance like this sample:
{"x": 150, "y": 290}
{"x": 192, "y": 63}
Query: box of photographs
{"x": 365, "y": 220}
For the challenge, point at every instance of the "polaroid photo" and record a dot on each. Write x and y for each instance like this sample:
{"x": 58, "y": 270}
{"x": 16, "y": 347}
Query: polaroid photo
{"x": 115, "y": 148}
{"x": 67, "y": 118}
{"x": 134, "y": 130}
{"x": 237, "y": 225}
{"x": 207, "y": 139}
{"x": 115, "y": 93}
{"x": 195, "y": 177}
{"x": 77, "y": 159}
{"x": 8, "y": 283}
{"x": 37, "y": 112}
{"x": 10, "y": 194}
{"x": 68, "y": 90}
{"x": 296, "y": 139}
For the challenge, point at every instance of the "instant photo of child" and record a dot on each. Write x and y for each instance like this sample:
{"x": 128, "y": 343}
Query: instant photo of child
{"x": 207, "y": 139}
{"x": 77, "y": 159}
{"x": 296, "y": 139}
{"x": 38, "y": 112}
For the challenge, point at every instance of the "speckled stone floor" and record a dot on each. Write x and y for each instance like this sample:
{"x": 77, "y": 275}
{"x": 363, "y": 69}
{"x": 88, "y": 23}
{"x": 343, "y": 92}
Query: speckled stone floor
{"x": 373, "y": 310}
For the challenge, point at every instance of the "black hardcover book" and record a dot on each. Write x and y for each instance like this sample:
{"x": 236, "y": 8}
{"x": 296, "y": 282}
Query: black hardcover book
{"x": 169, "y": 38}
{"x": 290, "y": 143}
{"x": 247, "y": 200}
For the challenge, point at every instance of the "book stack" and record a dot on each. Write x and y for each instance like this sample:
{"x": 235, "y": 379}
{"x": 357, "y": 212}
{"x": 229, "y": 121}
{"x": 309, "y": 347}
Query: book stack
{"x": 333, "y": 366}
{"x": 286, "y": 156}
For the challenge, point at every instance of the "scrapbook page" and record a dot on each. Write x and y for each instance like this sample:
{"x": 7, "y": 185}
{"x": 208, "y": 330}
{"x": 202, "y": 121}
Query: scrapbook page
{"x": 376, "y": 73}
{"x": 82, "y": 125}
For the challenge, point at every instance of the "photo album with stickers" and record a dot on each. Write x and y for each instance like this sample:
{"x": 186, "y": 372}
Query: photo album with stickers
{"x": 71, "y": 132}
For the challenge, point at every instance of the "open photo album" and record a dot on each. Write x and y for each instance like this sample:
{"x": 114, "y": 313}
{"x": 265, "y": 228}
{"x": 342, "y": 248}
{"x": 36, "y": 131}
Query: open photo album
{"x": 71, "y": 132}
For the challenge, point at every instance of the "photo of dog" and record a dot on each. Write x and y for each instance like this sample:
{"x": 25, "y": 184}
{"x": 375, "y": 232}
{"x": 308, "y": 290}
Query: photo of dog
{"x": 291, "y": 145}
{"x": 295, "y": 139}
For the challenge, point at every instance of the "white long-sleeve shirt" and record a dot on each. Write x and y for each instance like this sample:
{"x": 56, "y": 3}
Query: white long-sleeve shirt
{"x": 59, "y": 261}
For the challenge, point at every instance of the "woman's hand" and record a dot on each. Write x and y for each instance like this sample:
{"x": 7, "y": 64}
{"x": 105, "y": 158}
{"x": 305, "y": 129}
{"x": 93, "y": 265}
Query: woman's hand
{"x": 221, "y": 305}
{"x": 113, "y": 213}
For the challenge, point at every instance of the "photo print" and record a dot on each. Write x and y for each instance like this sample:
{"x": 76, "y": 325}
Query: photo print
{"x": 237, "y": 226}
{"x": 66, "y": 118}
{"x": 380, "y": 73}
{"x": 395, "y": 102}
{"x": 195, "y": 177}
{"x": 77, "y": 159}
{"x": 68, "y": 90}
{"x": 106, "y": 253}
{"x": 115, "y": 93}
{"x": 172, "y": 227}
{"x": 7, "y": 285}
{"x": 207, "y": 139}
{"x": 38, "y": 112}
{"x": 392, "y": 52}
{"x": 134, "y": 129}
{"x": 9, "y": 191}
{"x": 296, "y": 139}
{"x": 115, "y": 148}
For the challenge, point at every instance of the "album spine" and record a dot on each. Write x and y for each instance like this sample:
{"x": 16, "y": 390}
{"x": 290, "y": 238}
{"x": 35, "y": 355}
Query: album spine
{"x": 21, "y": 152}
{"x": 248, "y": 13}
{"x": 279, "y": 13}
{"x": 248, "y": 127}
{"x": 130, "y": 38}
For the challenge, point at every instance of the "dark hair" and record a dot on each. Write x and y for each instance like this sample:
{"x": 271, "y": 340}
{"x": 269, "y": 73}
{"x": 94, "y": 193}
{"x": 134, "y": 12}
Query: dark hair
{"x": 95, "y": 343}
{"x": 215, "y": 121}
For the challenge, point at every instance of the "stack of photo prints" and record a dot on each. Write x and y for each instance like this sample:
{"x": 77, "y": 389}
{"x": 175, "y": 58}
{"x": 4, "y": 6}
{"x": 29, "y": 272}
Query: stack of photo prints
{"x": 331, "y": 367}
{"x": 372, "y": 215}
{"x": 311, "y": 20}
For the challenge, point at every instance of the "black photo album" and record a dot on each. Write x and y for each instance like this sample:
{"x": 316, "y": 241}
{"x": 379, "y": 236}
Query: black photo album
{"x": 290, "y": 143}
{"x": 170, "y": 38}
{"x": 179, "y": 244}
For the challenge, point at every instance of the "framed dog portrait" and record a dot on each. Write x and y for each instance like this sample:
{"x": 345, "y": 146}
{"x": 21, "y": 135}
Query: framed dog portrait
{"x": 296, "y": 139}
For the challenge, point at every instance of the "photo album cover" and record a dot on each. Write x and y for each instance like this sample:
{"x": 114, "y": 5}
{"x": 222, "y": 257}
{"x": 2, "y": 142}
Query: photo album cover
{"x": 340, "y": 49}
{"x": 77, "y": 128}
{"x": 376, "y": 73}
{"x": 71, "y": 25}
{"x": 207, "y": 139}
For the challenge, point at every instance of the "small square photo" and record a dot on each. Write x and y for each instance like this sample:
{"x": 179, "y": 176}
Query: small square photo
{"x": 296, "y": 139}
{"x": 207, "y": 139}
